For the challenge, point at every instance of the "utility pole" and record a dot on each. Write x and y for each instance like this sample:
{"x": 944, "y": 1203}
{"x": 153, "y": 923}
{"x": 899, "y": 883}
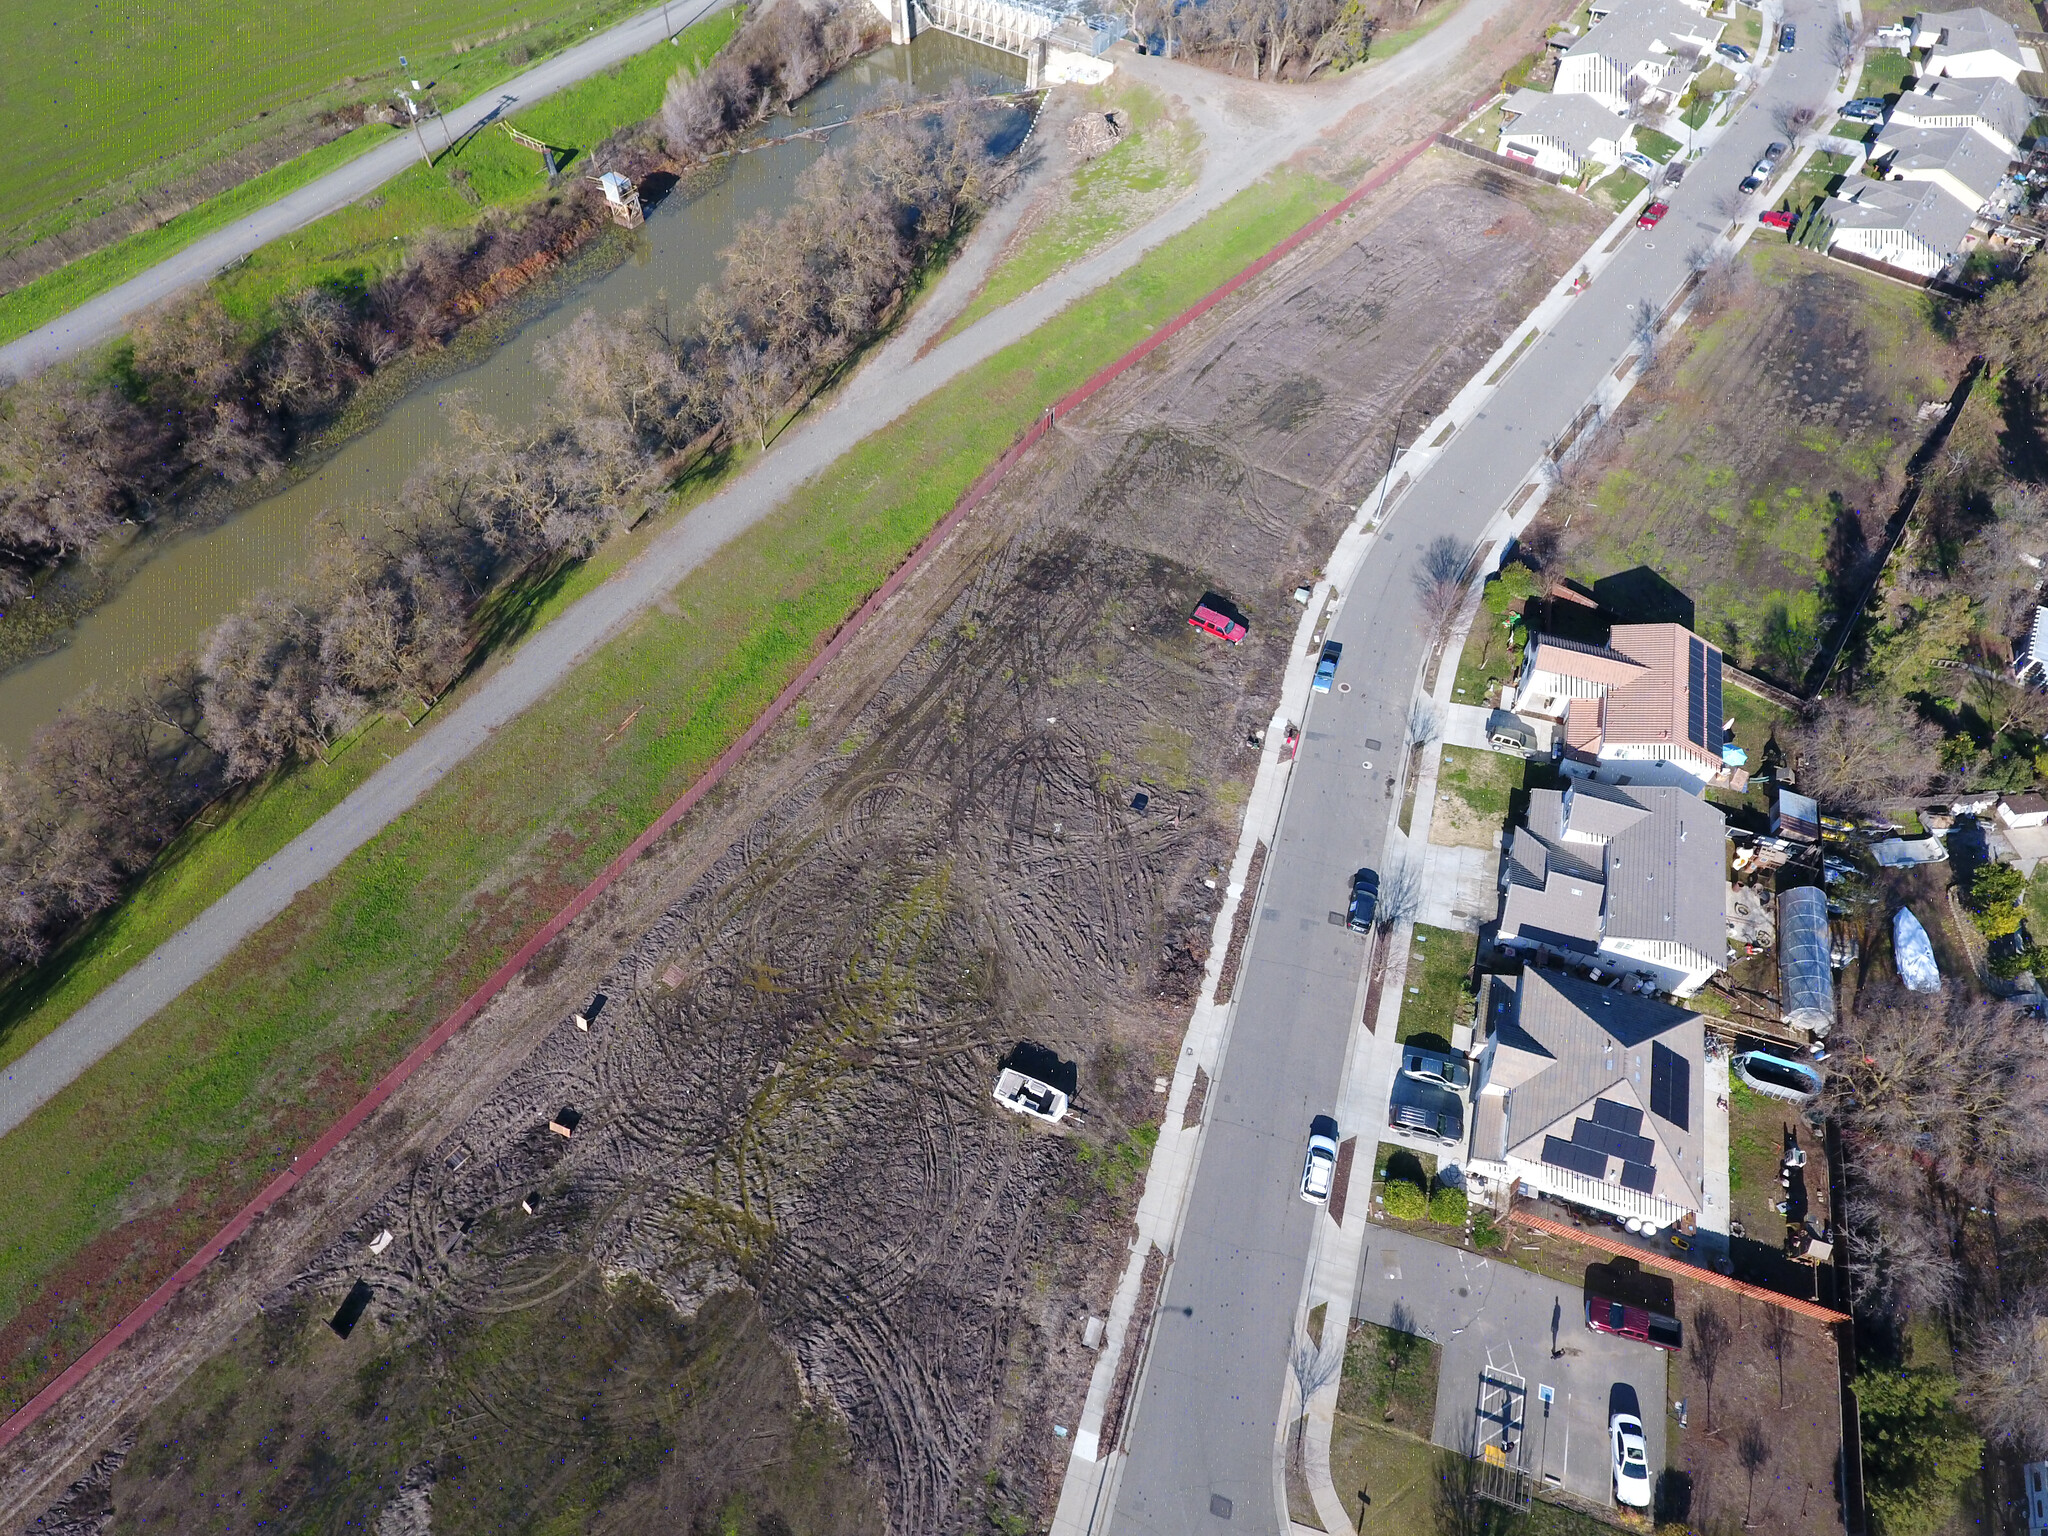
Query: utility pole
{"x": 1393, "y": 448}
{"x": 413, "y": 110}
{"x": 671, "y": 31}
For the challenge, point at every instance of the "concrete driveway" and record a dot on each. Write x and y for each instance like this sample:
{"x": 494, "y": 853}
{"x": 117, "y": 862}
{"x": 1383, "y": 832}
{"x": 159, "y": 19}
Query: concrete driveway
{"x": 1494, "y": 1322}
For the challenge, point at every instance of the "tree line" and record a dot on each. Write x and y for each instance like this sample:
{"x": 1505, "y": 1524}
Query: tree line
{"x": 386, "y": 620}
{"x": 1270, "y": 39}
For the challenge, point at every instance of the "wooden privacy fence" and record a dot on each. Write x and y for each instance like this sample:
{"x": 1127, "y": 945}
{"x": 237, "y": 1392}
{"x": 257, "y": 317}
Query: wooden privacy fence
{"x": 1679, "y": 1267}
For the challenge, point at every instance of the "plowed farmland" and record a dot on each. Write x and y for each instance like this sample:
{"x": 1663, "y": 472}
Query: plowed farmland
{"x": 793, "y": 1271}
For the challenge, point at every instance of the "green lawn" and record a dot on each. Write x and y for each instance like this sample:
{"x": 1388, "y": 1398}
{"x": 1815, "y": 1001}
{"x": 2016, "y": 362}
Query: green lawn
{"x": 1820, "y": 177}
{"x": 1660, "y": 147}
{"x": 1474, "y": 790}
{"x": 1110, "y": 194}
{"x": 1484, "y": 130}
{"x": 1385, "y": 1369}
{"x": 126, "y": 98}
{"x": 1617, "y": 190}
{"x": 1433, "y": 998}
{"x": 142, "y": 1156}
{"x": 356, "y": 245}
{"x": 1712, "y": 80}
{"x": 1386, "y": 44}
{"x": 1884, "y": 73}
{"x": 1489, "y": 659}
{"x": 1746, "y": 30}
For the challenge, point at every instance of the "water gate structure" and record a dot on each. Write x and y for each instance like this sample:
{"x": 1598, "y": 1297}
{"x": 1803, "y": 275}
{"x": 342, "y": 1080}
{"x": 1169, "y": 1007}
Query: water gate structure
{"x": 1054, "y": 46}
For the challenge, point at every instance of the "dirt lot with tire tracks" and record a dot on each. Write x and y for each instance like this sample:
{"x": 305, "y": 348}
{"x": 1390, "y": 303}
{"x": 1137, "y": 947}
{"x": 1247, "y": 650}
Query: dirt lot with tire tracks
{"x": 794, "y": 1271}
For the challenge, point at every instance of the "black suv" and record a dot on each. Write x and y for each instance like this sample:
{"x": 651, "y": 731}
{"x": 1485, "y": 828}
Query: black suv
{"x": 1365, "y": 901}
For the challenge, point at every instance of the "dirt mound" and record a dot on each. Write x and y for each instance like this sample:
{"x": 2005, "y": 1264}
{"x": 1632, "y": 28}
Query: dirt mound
{"x": 1096, "y": 133}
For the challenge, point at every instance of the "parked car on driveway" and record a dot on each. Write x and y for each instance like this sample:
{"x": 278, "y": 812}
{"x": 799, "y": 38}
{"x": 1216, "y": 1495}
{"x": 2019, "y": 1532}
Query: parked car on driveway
{"x": 1787, "y": 36}
{"x": 1326, "y": 669}
{"x": 1319, "y": 1171}
{"x": 1435, "y": 1067}
{"x": 1365, "y": 901}
{"x": 1639, "y": 162}
{"x": 1777, "y": 218}
{"x": 1732, "y": 51}
{"x": 1631, "y": 1460}
{"x": 1648, "y": 218}
{"x": 1865, "y": 109}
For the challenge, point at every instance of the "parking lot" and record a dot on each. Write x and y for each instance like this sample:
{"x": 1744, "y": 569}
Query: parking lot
{"x": 1496, "y": 1326}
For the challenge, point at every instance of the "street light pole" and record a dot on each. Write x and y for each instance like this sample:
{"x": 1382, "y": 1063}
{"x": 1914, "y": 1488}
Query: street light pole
{"x": 1393, "y": 448}
{"x": 665, "y": 27}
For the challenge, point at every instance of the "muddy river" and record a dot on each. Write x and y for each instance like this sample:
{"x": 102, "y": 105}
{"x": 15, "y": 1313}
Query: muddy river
{"x": 190, "y": 581}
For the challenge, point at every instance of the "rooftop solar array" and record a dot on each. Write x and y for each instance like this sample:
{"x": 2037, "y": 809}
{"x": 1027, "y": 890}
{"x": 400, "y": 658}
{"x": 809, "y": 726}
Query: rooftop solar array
{"x": 1560, "y": 1153}
{"x": 1611, "y": 1143}
{"x": 1640, "y": 1177}
{"x": 1670, "y": 1086}
{"x": 1625, "y": 1118}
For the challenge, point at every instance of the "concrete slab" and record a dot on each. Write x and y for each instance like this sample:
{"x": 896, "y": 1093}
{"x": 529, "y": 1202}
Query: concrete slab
{"x": 1458, "y": 887}
{"x": 1495, "y": 1321}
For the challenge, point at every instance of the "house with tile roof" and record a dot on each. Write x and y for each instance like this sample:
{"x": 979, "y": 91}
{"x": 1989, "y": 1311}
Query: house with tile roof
{"x": 1645, "y": 708}
{"x": 1632, "y": 882}
{"x": 1590, "y": 1095}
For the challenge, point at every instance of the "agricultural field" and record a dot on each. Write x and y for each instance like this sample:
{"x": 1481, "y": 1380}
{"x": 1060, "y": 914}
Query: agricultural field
{"x": 962, "y": 868}
{"x": 109, "y": 107}
{"x": 1756, "y": 466}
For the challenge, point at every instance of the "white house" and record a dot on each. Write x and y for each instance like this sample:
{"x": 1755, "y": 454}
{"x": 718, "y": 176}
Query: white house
{"x": 2033, "y": 656}
{"x": 1561, "y": 134}
{"x": 1915, "y": 226}
{"x": 1590, "y": 1096}
{"x": 1972, "y": 44}
{"x": 1631, "y": 881}
{"x": 1644, "y": 50}
{"x": 1995, "y": 108}
{"x": 1963, "y": 163}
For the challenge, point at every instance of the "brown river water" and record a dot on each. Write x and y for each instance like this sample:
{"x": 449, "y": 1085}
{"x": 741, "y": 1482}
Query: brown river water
{"x": 190, "y": 581}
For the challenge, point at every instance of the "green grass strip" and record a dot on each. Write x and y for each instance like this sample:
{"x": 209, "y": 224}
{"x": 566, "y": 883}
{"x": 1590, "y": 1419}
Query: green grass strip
{"x": 199, "y": 1107}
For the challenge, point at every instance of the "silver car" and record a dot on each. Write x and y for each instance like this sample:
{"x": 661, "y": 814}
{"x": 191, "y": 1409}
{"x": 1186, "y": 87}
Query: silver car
{"x": 1319, "y": 1169}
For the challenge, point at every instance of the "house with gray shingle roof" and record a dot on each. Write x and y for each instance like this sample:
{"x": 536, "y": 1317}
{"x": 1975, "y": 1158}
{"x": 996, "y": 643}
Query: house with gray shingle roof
{"x": 1630, "y": 881}
{"x": 1590, "y": 1095}
{"x": 1972, "y": 44}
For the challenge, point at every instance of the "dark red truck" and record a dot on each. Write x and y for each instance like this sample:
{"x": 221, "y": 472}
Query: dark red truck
{"x": 1218, "y": 616}
{"x": 1621, "y": 1299}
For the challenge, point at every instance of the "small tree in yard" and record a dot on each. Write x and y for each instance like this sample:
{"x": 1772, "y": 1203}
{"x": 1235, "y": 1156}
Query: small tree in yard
{"x": 1994, "y": 903}
{"x": 1709, "y": 1341}
{"x": 1439, "y": 583}
{"x": 1779, "y": 1338}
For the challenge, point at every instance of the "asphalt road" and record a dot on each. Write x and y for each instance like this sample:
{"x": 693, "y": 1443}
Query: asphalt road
{"x": 105, "y": 316}
{"x": 1249, "y": 131}
{"x": 1494, "y": 1321}
{"x": 1207, "y": 1416}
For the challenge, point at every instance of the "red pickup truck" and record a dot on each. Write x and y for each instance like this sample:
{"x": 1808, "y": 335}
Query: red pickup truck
{"x": 1621, "y": 1299}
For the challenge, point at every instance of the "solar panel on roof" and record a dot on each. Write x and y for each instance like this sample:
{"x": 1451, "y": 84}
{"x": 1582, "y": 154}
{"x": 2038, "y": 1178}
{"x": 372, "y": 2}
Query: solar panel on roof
{"x": 1625, "y": 1118}
{"x": 1696, "y": 693}
{"x": 1714, "y": 715}
{"x": 1640, "y": 1177}
{"x": 1563, "y": 1154}
{"x": 1608, "y": 1141}
{"x": 1670, "y": 1086}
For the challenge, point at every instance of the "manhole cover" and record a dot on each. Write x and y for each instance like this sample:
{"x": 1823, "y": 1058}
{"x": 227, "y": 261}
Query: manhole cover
{"x": 1343, "y": 687}
{"x": 1464, "y": 1290}
{"x": 1371, "y": 745}
{"x": 1219, "y": 1506}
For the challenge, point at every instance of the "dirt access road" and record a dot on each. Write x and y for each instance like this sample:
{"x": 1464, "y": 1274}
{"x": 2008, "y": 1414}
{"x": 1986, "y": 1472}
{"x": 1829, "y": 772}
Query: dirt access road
{"x": 787, "y": 1191}
{"x": 1249, "y": 130}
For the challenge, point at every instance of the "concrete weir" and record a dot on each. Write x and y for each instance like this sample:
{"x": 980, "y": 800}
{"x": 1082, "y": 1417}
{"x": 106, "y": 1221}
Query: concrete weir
{"x": 1055, "y": 49}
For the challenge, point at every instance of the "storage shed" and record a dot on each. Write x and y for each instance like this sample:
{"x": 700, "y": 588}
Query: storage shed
{"x": 1806, "y": 977}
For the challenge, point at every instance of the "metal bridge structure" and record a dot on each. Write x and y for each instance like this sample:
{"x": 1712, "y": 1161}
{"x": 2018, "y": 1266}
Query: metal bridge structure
{"x": 1017, "y": 27}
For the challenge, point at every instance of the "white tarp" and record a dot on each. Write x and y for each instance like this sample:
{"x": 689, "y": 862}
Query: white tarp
{"x": 1900, "y": 853}
{"x": 1915, "y": 955}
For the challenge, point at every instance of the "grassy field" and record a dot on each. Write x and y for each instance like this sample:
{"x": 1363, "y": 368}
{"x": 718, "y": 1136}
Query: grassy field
{"x": 1115, "y": 192}
{"x": 356, "y": 245}
{"x": 49, "y": 296}
{"x": 1390, "y": 1378}
{"x": 1884, "y": 73}
{"x": 117, "y": 1179}
{"x": 106, "y": 102}
{"x": 1433, "y": 998}
{"x": 1759, "y": 461}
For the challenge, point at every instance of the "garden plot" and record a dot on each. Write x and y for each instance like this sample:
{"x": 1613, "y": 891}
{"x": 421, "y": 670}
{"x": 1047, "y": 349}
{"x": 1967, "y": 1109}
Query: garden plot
{"x": 783, "y": 1128}
{"x": 1755, "y": 468}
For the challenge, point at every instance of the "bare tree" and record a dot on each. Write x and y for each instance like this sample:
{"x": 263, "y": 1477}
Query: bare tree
{"x": 2005, "y": 1376}
{"x": 1705, "y": 1347}
{"x": 1793, "y": 119}
{"x": 1400, "y": 895}
{"x": 1779, "y": 1337}
{"x": 1642, "y": 317}
{"x": 1439, "y": 579}
{"x": 1864, "y": 753}
{"x": 1753, "y": 1450}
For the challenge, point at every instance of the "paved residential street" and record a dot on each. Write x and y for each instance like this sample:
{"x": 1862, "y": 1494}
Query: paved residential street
{"x": 1494, "y": 1323}
{"x": 1202, "y": 1447}
{"x": 99, "y": 318}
